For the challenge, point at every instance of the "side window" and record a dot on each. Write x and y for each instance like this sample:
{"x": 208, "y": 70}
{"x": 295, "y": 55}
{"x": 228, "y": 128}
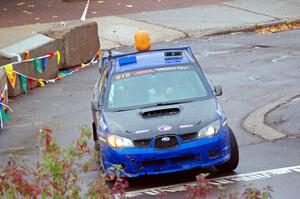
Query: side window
{"x": 102, "y": 83}
{"x": 210, "y": 83}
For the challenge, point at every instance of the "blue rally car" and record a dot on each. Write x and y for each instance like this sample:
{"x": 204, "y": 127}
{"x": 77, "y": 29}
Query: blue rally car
{"x": 155, "y": 112}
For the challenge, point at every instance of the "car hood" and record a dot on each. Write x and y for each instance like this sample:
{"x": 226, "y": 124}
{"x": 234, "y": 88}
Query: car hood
{"x": 171, "y": 119}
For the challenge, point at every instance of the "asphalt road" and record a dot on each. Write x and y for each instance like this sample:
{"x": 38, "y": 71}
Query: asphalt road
{"x": 253, "y": 69}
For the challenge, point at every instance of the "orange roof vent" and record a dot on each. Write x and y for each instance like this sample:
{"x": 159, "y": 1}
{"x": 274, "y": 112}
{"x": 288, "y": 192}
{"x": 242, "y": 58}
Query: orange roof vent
{"x": 142, "y": 41}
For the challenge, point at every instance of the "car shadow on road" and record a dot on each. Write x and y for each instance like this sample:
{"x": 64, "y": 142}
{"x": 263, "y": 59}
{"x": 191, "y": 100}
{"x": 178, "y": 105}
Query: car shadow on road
{"x": 144, "y": 182}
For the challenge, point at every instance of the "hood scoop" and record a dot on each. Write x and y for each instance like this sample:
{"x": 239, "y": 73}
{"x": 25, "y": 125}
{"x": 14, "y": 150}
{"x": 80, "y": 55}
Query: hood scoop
{"x": 159, "y": 112}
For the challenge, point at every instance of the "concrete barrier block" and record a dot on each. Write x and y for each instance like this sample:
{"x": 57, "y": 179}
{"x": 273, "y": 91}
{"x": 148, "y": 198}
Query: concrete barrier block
{"x": 37, "y": 46}
{"x": 80, "y": 41}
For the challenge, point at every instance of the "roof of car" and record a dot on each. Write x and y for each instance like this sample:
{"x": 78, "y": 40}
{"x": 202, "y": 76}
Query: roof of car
{"x": 150, "y": 59}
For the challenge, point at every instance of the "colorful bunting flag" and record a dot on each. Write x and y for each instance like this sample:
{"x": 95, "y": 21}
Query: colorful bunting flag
{"x": 38, "y": 65}
{"x": 59, "y": 77}
{"x": 11, "y": 75}
{"x": 50, "y": 81}
{"x": 58, "y": 56}
{"x": 84, "y": 65}
{"x": 3, "y": 100}
{"x": 31, "y": 82}
{"x": 99, "y": 54}
{"x": 19, "y": 59}
{"x": 26, "y": 55}
{"x": 51, "y": 54}
{"x": 9, "y": 68}
{"x": 42, "y": 84}
{"x": 5, "y": 116}
{"x": 24, "y": 82}
{"x": 64, "y": 73}
{"x": 44, "y": 63}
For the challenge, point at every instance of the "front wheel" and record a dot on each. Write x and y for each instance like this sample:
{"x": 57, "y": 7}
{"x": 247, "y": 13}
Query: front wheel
{"x": 104, "y": 175}
{"x": 233, "y": 162}
{"x": 96, "y": 139}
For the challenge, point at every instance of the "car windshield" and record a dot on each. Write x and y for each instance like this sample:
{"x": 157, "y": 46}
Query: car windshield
{"x": 152, "y": 87}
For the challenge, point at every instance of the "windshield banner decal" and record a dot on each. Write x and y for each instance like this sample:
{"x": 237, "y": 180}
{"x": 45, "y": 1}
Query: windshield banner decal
{"x": 150, "y": 71}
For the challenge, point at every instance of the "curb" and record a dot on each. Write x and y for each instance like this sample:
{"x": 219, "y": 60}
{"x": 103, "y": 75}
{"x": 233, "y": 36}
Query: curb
{"x": 255, "y": 121}
{"x": 285, "y": 21}
{"x": 222, "y": 31}
{"x": 243, "y": 28}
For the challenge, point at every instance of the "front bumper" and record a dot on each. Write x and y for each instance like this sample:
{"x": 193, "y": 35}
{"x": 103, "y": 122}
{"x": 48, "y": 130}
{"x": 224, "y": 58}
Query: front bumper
{"x": 150, "y": 161}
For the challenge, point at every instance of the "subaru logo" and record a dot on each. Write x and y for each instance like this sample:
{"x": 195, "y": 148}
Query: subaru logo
{"x": 165, "y": 139}
{"x": 163, "y": 128}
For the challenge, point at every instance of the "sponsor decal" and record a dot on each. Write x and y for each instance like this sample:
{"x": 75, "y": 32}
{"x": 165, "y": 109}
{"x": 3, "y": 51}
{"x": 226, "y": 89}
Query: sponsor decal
{"x": 173, "y": 68}
{"x": 143, "y": 72}
{"x": 142, "y": 131}
{"x": 103, "y": 126}
{"x": 164, "y": 128}
{"x": 183, "y": 126}
{"x": 121, "y": 76}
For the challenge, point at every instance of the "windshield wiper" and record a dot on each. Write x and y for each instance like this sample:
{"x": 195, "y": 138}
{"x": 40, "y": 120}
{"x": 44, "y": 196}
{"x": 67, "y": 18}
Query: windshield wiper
{"x": 173, "y": 103}
{"x": 121, "y": 110}
{"x": 167, "y": 103}
{"x": 157, "y": 104}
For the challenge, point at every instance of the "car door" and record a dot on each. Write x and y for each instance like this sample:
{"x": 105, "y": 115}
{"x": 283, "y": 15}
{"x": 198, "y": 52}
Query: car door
{"x": 98, "y": 96}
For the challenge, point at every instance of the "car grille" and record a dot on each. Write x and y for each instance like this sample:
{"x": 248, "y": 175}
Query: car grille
{"x": 166, "y": 142}
{"x": 183, "y": 159}
{"x": 145, "y": 143}
{"x": 174, "y": 160}
{"x": 189, "y": 137}
{"x": 153, "y": 163}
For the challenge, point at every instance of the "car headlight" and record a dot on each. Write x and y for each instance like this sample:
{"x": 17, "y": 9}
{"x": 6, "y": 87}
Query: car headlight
{"x": 119, "y": 142}
{"x": 209, "y": 130}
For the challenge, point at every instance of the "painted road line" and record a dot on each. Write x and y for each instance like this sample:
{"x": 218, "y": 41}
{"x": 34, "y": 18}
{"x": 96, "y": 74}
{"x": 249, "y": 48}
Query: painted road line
{"x": 155, "y": 191}
{"x": 83, "y": 17}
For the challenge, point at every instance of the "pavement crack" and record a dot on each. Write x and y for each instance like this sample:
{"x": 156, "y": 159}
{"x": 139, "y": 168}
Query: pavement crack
{"x": 250, "y": 11}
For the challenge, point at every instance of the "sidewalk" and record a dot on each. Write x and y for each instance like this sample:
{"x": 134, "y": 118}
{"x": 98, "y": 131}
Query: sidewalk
{"x": 286, "y": 117}
{"x": 25, "y": 12}
{"x": 192, "y": 19}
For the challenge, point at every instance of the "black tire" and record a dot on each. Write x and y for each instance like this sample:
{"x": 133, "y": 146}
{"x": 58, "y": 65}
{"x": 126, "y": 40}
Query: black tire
{"x": 96, "y": 139}
{"x": 94, "y": 131}
{"x": 99, "y": 155}
{"x": 233, "y": 162}
{"x": 100, "y": 162}
{"x": 102, "y": 170}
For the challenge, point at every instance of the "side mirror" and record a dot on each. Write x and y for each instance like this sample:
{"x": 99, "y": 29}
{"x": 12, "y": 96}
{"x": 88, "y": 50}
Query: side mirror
{"x": 218, "y": 90}
{"x": 95, "y": 106}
